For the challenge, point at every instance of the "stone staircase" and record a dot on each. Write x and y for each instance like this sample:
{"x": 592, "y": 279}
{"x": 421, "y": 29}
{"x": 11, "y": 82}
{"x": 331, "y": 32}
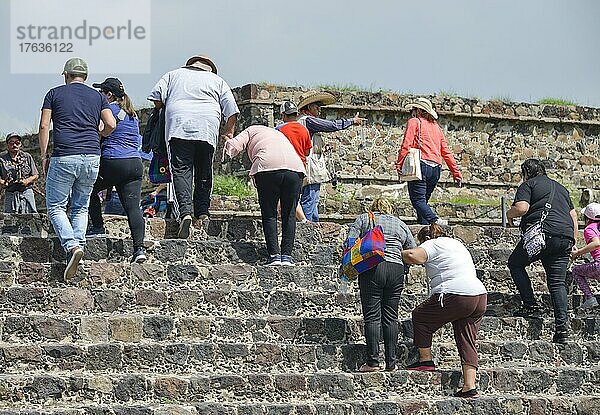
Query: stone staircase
{"x": 203, "y": 328}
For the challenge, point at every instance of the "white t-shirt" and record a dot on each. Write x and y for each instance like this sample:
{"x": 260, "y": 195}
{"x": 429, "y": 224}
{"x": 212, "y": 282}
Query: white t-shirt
{"x": 196, "y": 100}
{"x": 450, "y": 268}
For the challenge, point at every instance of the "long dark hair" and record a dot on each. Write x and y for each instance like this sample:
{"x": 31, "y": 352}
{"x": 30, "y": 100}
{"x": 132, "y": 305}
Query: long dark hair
{"x": 126, "y": 105}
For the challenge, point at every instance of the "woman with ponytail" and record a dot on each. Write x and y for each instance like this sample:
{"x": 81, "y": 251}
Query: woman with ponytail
{"x": 120, "y": 166}
{"x": 456, "y": 296}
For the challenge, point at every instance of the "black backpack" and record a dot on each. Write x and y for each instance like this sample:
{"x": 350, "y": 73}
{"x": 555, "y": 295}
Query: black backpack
{"x": 154, "y": 133}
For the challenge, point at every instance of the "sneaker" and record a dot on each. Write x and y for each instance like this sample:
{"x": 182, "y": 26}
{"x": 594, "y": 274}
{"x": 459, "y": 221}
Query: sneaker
{"x": 470, "y": 394}
{"x": 365, "y": 368}
{"x": 534, "y": 311}
{"x": 427, "y": 365}
{"x": 589, "y": 303}
{"x": 441, "y": 222}
{"x": 287, "y": 260}
{"x": 273, "y": 260}
{"x": 73, "y": 258}
{"x": 94, "y": 232}
{"x": 184, "y": 227}
{"x": 139, "y": 256}
{"x": 560, "y": 337}
{"x": 203, "y": 217}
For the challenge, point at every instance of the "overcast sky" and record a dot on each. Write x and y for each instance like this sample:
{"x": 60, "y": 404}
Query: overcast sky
{"x": 521, "y": 49}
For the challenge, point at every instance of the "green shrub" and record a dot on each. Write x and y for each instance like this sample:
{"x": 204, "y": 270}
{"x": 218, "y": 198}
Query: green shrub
{"x": 231, "y": 186}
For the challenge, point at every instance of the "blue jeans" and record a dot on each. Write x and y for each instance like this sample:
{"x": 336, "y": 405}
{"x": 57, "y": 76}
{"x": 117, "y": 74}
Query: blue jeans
{"x": 420, "y": 191}
{"x": 310, "y": 201}
{"x": 70, "y": 179}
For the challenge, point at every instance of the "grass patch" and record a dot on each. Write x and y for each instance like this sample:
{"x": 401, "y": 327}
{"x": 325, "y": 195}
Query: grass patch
{"x": 556, "y": 101}
{"x": 231, "y": 186}
{"x": 450, "y": 93}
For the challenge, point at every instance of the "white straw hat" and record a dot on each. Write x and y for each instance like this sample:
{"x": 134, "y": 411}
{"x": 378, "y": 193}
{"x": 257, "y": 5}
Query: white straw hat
{"x": 425, "y": 105}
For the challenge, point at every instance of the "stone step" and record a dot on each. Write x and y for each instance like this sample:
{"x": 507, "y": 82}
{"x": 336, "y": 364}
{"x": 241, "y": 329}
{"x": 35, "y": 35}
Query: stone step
{"x": 222, "y": 276}
{"x": 203, "y": 252}
{"x": 182, "y": 327}
{"x": 145, "y": 388}
{"x": 223, "y": 301}
{"x": 496, "y": 404}
{"x": 250, "y": 357}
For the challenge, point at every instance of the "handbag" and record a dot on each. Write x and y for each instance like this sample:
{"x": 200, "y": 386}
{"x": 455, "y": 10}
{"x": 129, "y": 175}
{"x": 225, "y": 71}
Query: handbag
{"x": 411, "y": 166}
{"x": 316, "y": 163}
{"x": 534, "y": 239}
{"x": 362, "y": 254}
{"x": 159, "y": 171}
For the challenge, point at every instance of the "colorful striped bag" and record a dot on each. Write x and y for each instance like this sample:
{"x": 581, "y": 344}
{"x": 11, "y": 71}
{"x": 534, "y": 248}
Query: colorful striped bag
{"x": 362, "y": 254}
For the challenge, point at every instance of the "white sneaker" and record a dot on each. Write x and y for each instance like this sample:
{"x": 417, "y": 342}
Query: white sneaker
{"x": 441, "y": 222}
{"x": 589, "y": 303}
{"x": 73, "y": 259}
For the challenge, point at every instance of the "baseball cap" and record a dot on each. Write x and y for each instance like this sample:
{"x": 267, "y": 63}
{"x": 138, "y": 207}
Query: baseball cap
{"x": 112, "y": 85}
{"x": 76, "y": 66}
{"x": 11, "y": 135}
{"x": 591, "y": 211}
{"x": 288, "y": 108}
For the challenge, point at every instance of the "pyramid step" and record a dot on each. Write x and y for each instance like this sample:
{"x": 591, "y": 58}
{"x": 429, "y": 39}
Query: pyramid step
{"x": 85, "y": 329}
{"x": 249, "y": 357}
{"x": 84, "y": 388}
{"x": 497, "y": 404}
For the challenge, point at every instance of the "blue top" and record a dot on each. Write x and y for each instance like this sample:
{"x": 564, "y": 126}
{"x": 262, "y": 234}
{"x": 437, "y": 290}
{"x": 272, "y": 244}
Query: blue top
{"x": 125, "y": 141}
{"x": 76, "y": 111}
{"x": 320, "y": 125}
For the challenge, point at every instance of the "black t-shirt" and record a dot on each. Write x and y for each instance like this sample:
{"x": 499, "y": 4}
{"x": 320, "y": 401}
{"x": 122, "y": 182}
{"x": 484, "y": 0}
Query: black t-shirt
{"x": 536, "y": 192}
{"x": 76, "y": 110}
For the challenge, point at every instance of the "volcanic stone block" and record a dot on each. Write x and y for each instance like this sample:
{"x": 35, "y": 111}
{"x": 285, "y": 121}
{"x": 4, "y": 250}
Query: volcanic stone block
{"x": 234, "y": 350}
{"x": 26, "y": 295}
{"x": 285, "y": 303}
{"x": 35, "y": 249}
{"x": 541, "y": 351}
{"x": 215, "y": 409}
{"x": 185, "y": 299}
{"x": 131, "y": 387}
{"x": 105, "y": 273}
{"x": 290, "y": 382}
{"x": 30, "y": 272}
{"x": 571, "y": 353}
{"x": 251, "y": 301}
{"x": 150, "y": 298}
{"x": 52, "y": 328}
{"x": 171, "y": 388}
{"x": 514, "y": 350}
{"x": 142, "y": 355}
{"x": 157, "y": 327}
{"x": 570, "y": 380}
{"x": 125, "y": 328}
{"x": 203, "y": 353}
{"x": 48, "y": 387}
{"x": 268, "y": 354}
{"x": 94, "y": 329}
{"x": 75, "y": 300}
{"x": 20, "y": 354}
{"x": 170, "y": 250}
{"x": 96, "y": 249}
{"x": 177, "y": 354}
{"x": 109, "y": 300}
{"x": 333, "y": 385}
{"x": 182, "y": 273}
{"x": 147, "y": 272}
{"x": 132, "y": 410}
{"x": 103, "y": 356}
{"x": 195, "y": 327}
{"x": 536, "y": 380}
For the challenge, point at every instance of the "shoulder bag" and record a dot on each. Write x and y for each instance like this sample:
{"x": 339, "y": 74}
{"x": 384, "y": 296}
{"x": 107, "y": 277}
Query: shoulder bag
{"x": 534, "y": 239}
{"x": 411, "y": 166}
{"x": 362, "y": 254}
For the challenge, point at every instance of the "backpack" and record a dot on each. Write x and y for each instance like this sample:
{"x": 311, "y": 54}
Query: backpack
{"x": 154, "y": 133}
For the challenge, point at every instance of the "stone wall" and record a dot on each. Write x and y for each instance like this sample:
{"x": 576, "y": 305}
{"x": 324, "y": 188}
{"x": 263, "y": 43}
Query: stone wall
{"x": 490, "y": 139}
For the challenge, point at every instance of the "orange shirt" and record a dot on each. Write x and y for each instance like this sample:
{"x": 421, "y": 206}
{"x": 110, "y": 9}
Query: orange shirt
{"x": 433, "y": 144}
{"x": 298, "y": 136}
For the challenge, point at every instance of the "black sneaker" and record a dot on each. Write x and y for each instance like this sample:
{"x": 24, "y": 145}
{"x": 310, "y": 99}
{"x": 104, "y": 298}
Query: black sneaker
{"x": 73, "y": 258}
{"x": 94, "y": 232}
{"x": 273, "y": 261}
{"x": 470, "y": 394}
{"x": 534, "y": 311}
{"x": 139, "y": 256}
{"x": 184, "y": 227}
{"x": 560, "y": 337}
{"x": 427, "y": 365}
{"x": 287, "y": 260}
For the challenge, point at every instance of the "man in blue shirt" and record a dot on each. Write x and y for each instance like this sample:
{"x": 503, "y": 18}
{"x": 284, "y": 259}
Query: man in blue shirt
{"x": 76, "y": 111}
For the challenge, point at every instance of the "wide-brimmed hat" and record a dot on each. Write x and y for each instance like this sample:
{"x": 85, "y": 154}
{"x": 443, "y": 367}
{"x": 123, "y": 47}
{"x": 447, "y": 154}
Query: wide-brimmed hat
{"x": 203, "y": 62}
{"x": 424, "y": 104}
{"x": 325, "y": 98}
{"x": 75, "y": 66}
{"x": 591, "y": 211}
{"x": 113, "y": 85}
